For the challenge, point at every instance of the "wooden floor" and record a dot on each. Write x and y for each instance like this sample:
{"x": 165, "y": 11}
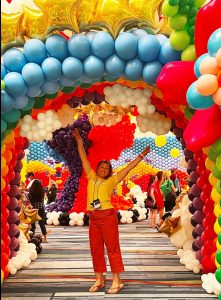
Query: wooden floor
{"x": 64, "y": 270}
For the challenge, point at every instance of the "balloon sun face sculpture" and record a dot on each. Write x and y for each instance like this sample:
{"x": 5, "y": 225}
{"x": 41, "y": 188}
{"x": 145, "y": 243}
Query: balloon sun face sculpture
{"x": 149, "y": 72}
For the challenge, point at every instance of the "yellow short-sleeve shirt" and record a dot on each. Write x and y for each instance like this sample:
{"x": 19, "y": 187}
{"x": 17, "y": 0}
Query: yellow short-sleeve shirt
{"x": 100, "y": 189}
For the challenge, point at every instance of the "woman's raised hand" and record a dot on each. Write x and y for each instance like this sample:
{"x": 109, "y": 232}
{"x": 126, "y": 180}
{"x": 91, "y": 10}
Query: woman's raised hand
{"x": 145, "y": 151}
{"x": 76, "y": 135}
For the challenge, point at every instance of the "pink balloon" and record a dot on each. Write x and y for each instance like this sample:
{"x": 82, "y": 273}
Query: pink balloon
{"x": 203, "y": 129}
{"x": 174, "y": 81}
{"x": 207, "y": 84}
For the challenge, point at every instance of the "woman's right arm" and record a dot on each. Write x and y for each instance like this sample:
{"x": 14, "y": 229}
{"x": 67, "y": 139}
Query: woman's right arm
{"x": 81, "y": 151}
{"x": 152, "y": 194}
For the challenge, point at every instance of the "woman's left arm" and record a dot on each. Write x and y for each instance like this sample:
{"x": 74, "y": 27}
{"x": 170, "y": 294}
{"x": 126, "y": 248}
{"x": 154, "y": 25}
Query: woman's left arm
{"x": 123, "y": 173}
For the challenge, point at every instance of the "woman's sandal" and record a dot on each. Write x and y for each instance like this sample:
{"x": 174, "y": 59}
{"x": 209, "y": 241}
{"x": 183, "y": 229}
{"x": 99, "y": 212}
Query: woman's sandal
{"x": 94, "y": 288}
{"x": 116, "y": 290}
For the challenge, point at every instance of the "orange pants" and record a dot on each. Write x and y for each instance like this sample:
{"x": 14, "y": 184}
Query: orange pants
{"x": 103, "y": 229}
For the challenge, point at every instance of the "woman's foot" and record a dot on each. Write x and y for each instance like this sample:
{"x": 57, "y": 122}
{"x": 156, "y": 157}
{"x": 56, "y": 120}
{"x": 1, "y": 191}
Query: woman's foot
{"x": 97, "y": 286}
{"x": 114, "y": 289}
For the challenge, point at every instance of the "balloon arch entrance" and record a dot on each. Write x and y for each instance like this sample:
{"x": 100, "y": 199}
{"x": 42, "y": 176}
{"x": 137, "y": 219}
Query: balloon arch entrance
{"x": 44, "y": 85}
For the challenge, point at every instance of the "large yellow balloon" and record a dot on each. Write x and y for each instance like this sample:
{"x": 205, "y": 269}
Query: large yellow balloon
{"x": 160, "y": 141}
{"x": 209, "y": 164}
{"x": 215, "y": 195}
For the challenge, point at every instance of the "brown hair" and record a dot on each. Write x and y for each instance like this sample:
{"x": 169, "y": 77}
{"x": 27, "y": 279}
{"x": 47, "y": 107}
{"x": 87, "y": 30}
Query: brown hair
{"x": 110, "y": 167}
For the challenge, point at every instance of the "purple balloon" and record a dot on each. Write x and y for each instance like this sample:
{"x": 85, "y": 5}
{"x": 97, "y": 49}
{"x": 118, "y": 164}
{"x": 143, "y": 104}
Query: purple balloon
{"x": 195, "y": 190}
{"x": 193, "y": 222}
{"x": 191, "y": 196}
{"x": 194, "y": 176}
{"x": 194, "y": 247}
{"x": 18, "y": 166}
{"x": 18, "y": 209}
{"x": 198, "y": 216}
{"x": 194, "y": 234}
{"x": 198, "y": 203}
{"x": 199, "y": 255}
{"x": 178, "y": 132}
{"x": 192, "y": 164}
{"x": 13, "y": 243}
{"x": 199, "y": 229}
{"x": 13, "y": 217}
{"x": 188, "y": 154}
{"x": 13, "y": 190}
{"x": 16, "y": 179}
{"x": 26, "y": 144}
{"x": 192, "y": 209}
{"x": 199, "y": 242}
{"x": 13, "y": 230}
{"x": 89, "y": 96}
{"x": 21, "y": 156}
{"x": 13, "y": 253}
{"x": 13, "y": 203}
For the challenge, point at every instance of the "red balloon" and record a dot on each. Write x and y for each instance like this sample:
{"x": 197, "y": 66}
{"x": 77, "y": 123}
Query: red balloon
{"x": 209, "y": 219}
{"x": 203, "y": 130}
{"x": 4, "y": 260}
{"x": 207, "y": 264}
{"x": 203, "y": 30}
{"x": 184, "y": 74}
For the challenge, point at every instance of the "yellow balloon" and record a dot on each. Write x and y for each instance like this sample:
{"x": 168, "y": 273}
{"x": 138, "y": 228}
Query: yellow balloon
{"x": 206, "y": 150}
{"x": 3, "y": 162}
{"x": 215, "y": 195}
{"x": 209, "y": 164}
{"x": 217, "y": 227}
{"x": 218, "y": 246}
{"x": 217, "y": 210}
{"x": 175, "y": 152}
{"x": 160, "y": 141}
{"x": 217, "y": 264}
{"x": 212, "y": 180}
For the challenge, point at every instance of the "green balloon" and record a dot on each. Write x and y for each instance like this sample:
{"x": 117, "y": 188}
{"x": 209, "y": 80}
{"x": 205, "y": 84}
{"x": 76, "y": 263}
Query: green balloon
{"x": 192, "y": 12}
{"x": 68, "y": 89}
{"x": 12, "y": 116}
{"x": 51, "y": 96}
{"x": 169, "y": 10}
{"x": 2, "y": 85}
{"x": 39, "y": 103}
{"x": 179, "y": 40}
{"x": 199, "y": 3}
{"x": 29, "y": 105}
{"x": 216, "y": 173}
{"x": 12, "y": 125}
{"x": 218, "y": 256}
{"x": 173, "y": 2}
{"x": 218, "y": 187}
{"x": 189, "y": 54}
{"x": 218, "y": 275}
{"x": 219, "y": 238}
{"x": 183, "y": 2}
{"x": 212, "y": 155}
{"x": 85, "y": 85}
{"x": 178, "y": 21}
{"x": 3, "y": 125}
{"x": 189, "y": 112}
{"x": 217, "y": 146}
{"x": 183, "y": 10}
{"x": 218, "y": 162}
{"x": 25, "y": 113}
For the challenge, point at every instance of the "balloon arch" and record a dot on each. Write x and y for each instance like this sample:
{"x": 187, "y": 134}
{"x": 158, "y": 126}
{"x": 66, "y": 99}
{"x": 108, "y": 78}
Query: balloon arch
{"x": 44, "y": 82}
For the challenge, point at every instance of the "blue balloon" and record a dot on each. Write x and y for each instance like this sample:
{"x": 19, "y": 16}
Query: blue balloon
{"x": 33, "y": 91}
{"x": 139, "y": 33}
{"x": 93, "y": 67}
{"x": 151, "y": 71}
{"x": 168, "y": 54}
{"x": 102, "y": 45}
{"x": 148, "y": 48}
{"x": 14, "y": 60}
{"x": 114, "y": 65}
{"x": 35, "y": 51}
{"x": 66, "y": 82}
{"x": 3, "y": 125}
{"x": 126, "y": 45}
{"x": 79, "y": 46}
{"x": 214, "y": 42}
{"x": 197, "y": 64}
{"x": 72, "y": 68}
{"x": 3, "y": 71}
{"x": 52, "y": 69}
{"x": 33, "y": 75}
{"x": 57, "y": 47}
{"x": 85, "y": 79}
{"x": 90, "y": 35}
{"x": 161, "y": 38}
{"x": 7, "y": 102}
{"x": 20, "y": 102}
{"x": 50, "y": 87}
{"x": 133, "y": 69}
{"x": 14, "y": 84}
{"x": 197, "y": 101}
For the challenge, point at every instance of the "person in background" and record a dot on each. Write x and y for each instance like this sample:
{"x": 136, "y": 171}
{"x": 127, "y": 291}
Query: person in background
{"x": 169, "y": 192}
{"x": 36, "y": 198}
{"x": 176, "y": 181}
{"x": 153, "y": 193}
{"x": 52, "y": 192}
{"x": 103, "y": 228}
{"x": 30, "y": 179}
{"x": 160, "y": 196}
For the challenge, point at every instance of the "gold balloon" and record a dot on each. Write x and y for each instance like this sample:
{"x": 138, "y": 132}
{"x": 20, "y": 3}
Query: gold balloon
{"x": 85, "y": 13}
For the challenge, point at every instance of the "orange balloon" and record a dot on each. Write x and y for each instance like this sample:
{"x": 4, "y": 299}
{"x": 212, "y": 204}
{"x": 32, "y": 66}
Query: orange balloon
{"x": 8, "y": 155}
{"x": 217, "y": 96}
{"x": 3, "y": 184}
{"x": 9, "y": 138}
{"x": 11, "y": 144}
{"x": 207, "y": 84}
{"x": 17, "y": 131}
{"x": 3, "y": 149}
{"x": 5, "y": 171}
{"x": 209, "y": 66}
{"x": 3, "y": 162}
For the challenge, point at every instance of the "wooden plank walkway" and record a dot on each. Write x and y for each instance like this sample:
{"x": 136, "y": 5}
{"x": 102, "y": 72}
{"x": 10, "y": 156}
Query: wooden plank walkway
{"x": 64, "y": 270}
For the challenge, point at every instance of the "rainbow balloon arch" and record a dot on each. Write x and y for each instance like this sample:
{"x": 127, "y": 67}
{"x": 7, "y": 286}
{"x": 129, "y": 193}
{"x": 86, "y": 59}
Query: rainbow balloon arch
{"x": 107, "y": 56}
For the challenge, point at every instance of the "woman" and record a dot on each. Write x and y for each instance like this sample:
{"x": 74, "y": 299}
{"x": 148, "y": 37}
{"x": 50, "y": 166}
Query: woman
{"x": 169, "y": 192}
{"x": 159, "y": 196}
{"x": 103, "y": 227}
{"x": 36, "y": 198}
{"x": 152, "y": 192}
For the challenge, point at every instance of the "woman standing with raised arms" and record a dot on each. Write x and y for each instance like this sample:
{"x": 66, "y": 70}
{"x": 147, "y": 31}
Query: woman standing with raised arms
{"x": 103, "y": 228}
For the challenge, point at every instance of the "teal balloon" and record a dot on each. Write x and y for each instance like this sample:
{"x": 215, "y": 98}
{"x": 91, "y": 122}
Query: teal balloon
{"x": 72, "y": 68}
{"x": 12, "y": 116}
{"x": 35, "y": 51}
{"x": 7, "y": 102}
{"x": 33, "y": 91}
{"x": 50, "y": 87}
{"x": 57, "y": 47}
{"x": 93, "y": 67}
{"x": 20, "y": 102}
{"x": 79, "y": 46}
{"x": 214, "y": 42}
{"x": 29, "y": 105}
{"x": 14, "y": 84}
{"x": 197, "y": 64}
{"x": 148, "y": 48}
{"x": 14, "y": 60}
{"x": 3, "y": 125}
{"x": 39, "y": 103}
{"x": 33, "y": 75}
{"x": 126, "y": 45}
{"x": 12, "y": 125}
{"x": 197, "y": 101}
{"x": 134, "y": 69}
{"x": 52, "y": 69}
{"x": 3, "y": 71}
{"x": 168, "y": 54}
{"x": 114, "y": 65}
{"x": 151, "y": 71}
{"x": 102, "y": 45}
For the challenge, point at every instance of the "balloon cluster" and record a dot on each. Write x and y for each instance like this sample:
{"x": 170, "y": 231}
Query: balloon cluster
{"x": 106, "y": 118}
{"x": 121, "y": 202}
{"x": 206, "y": 91}
{"x": 27, "y": 253}
{"x": 210, "y": 284}
{"x": 36, "y": 151}
{"x": 77, "y": 219}
{"x": 134, "y": 214}
{"x": 182, "y": 18}
{"x": 42, "y": 128}
{"x": 52, "y": 153}
{"x": 154, "y": 122}
{"x": 140, "y": 196}
{"x": 64, "y": 143}
{"x": 52, "y": 218}
{"x": 85, "y": 99}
